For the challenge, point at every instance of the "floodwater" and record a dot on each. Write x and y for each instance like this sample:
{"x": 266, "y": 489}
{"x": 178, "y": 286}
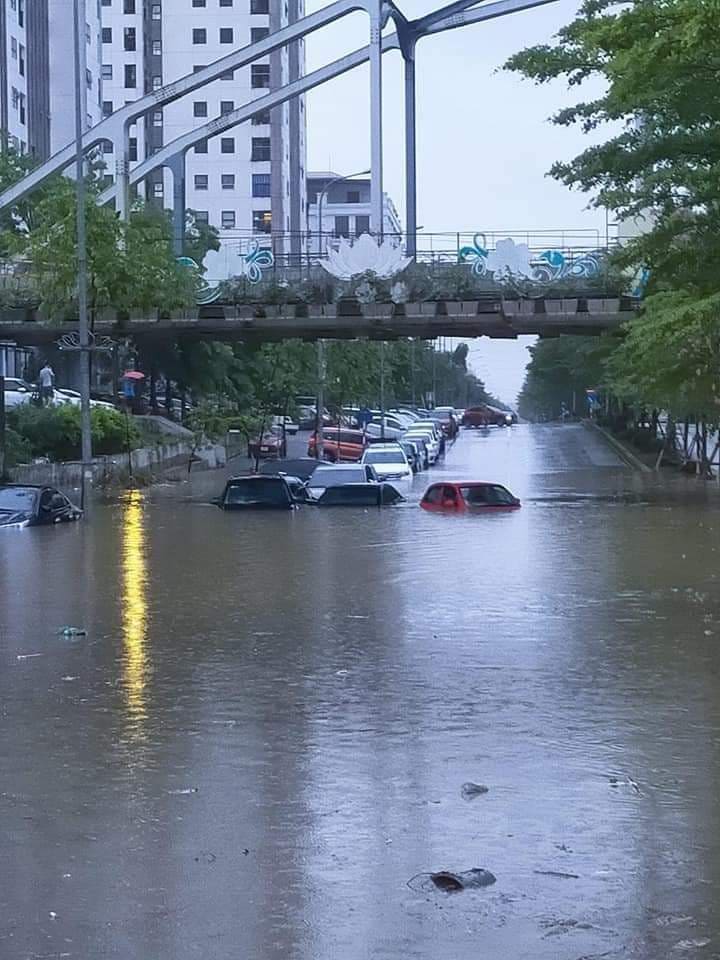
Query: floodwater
{"x": 259, "y": 748}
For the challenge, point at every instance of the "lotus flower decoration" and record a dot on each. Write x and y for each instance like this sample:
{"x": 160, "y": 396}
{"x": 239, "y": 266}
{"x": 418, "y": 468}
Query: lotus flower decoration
{"x": 509, "y": 259}
{"x": 365, "y": 255}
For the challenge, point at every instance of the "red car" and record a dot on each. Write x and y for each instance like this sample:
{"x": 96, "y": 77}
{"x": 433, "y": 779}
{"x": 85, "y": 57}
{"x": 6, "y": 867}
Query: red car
{"x": 485, "y": 415}
{"x": 270, "y": 445}
{"x": 468, "y": 497}
{"x": 340, "y": 445}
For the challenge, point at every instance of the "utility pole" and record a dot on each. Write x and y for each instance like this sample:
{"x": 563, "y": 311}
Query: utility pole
{"x": 319, "y": 445}
{"x": 83, "y": 329}
{"x": 382, "y": 390}
{"x": 2, "y": 428}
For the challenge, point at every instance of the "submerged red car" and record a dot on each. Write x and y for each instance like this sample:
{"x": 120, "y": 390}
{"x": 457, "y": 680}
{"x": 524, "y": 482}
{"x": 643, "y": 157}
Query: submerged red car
{"x": 471, "y": 497}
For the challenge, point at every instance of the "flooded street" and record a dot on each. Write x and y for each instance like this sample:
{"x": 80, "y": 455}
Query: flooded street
{"x": 259, "y": 748}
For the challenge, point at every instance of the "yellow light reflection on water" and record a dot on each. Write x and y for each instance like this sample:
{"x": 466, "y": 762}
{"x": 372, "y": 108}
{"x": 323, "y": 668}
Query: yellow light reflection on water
{"x": 134, "y": 608}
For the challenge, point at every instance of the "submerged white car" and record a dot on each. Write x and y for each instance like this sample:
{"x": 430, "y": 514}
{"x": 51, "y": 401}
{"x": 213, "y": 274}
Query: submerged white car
{"x": 388, "y": 460}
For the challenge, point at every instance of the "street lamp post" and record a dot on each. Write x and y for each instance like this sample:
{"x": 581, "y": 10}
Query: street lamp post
{"x": 321, "y": 198}
{"x": 83, "y": 329}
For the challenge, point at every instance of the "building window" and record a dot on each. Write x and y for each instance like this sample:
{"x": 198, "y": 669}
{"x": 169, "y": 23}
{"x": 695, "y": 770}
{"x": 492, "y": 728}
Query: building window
{"x": 201, "y": 181}
{"x": 107, "y": 146}
{"x": 226, "y": 35}
{"x": 353, "y": 196}
{"x": 88, "y": 78}
{"x": 107, "y": 34}
{"x": 362, "y": 225}
{"x": 260, "y": 148}
{"x": 259, "y": 6}
{"x": 156, "y": 83}
{"x": 107, "y": 108}
{"x": 106, "y": 71}
{"x": 258, "y": 33}
{"x": 226, "y": 107}
{"x": 227, "y": 181}
{"x": 201, "y": 146}
{"x": 226, "y": 3}
{"x": 158, "y": 189}
{"x": 106, "y": 3}
{"x": 227, "y": 144}
{"x": 88, "y": 33}
{"x": 199, "y": 35}
{"x": 129, "y": 6}
{"x": 157, "y": 118}
{"x": 201, "y": 216}
{"x": 261, "y": 184}
{"x": 227, "y": 219}
{"x": 132, "y": 148}
{"x": 13, "y": 47}
{"x": 262, "y": 221}
{"x": 200, "y": 108}
{"x": 130, "y": 76}
{"x": 228, "y": 75}
{"x": 156, "y": 11}
{"x": 198, "y": 3}
{"x": 198, "y": 67}
{"x": 342, "y": 226}
{"x": 157, "y": 48}
{"x": 21, "y": 64}
{"x": 260, "y": 75}
{"x": 129, "y": 38}
{"x": 261, "y": 119}
{"x": 21, "y": 13}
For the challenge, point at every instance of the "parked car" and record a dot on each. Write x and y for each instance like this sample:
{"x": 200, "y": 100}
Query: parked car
{"x": 393, "y": 428}
{"x": 269, "y": 445}
{"x": 428, "y": 437}
{"x": 445, "y": 418}
{"x": 257, "y": 493}
{"x": 389, "y": 461}
{"x": 291, "y": 428}
{"x": 25, "y": 505}
{"x": 468, "y": 497}
{"x": 302, "y": 467}
{"x": 485, "y": 415}
{"x": 415, "y": 456}
{"x": 334, "y": 475}
{"x": 18, "y": 391}
{"x": 63, "y": 395}
{"x": 359, "y": 495}
{"x": 340, "y": 445}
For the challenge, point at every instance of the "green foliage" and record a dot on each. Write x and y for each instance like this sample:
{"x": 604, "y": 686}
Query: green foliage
{"x": 200, "y": 238}
{"x": 55, "y": 431}
{"x": 660, "y": 71}
{"x": 560, "y": 369}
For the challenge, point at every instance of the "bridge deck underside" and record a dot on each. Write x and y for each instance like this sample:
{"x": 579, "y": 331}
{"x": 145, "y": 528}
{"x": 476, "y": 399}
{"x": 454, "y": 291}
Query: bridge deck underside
{"x": 375, "y": 321}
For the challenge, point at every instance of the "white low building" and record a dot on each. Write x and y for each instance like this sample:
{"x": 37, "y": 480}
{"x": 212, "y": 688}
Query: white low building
{"x": 345, "y": 209}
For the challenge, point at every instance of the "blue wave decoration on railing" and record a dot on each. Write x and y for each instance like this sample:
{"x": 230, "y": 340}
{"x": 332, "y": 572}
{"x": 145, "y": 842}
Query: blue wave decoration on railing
{"x": 510, "y": 262}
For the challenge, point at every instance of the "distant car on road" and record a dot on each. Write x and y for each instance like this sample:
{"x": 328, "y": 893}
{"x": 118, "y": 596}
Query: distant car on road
{"x": 468, "y": 497}
{"x": 291, "y": 428}
{"x": 24, "y": 505}
{"x": 340, "y": 445}
{"x": 257, "y": 493}
{"x": 485, "y": 415}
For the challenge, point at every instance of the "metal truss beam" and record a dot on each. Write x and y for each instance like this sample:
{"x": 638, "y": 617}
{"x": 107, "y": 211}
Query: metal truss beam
{"x": 487, "y": 11}
{"x": 182, "y": 144}
{"x": 114, "y": 127}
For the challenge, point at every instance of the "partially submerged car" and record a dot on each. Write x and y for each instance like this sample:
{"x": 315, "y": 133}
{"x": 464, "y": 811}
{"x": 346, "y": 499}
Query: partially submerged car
{"x": 270, "y": 444}
{"x": 335, "y": 475}
{"x": 25, "y": 505}
{"x": 458, "y": 497}
{"x": 302, "y": 467}
{"x": 257, "y": 493}
{"x": 389, "y": 461}
{"x": 358, "y": 495}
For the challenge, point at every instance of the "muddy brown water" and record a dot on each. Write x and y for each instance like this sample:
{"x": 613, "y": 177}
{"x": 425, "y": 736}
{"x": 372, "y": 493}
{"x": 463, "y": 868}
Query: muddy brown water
{"x": 264, "y": 735}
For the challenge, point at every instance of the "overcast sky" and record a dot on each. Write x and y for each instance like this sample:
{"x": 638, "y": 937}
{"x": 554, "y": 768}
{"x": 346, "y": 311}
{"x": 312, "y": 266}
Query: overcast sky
{"x": 484, "y": 141}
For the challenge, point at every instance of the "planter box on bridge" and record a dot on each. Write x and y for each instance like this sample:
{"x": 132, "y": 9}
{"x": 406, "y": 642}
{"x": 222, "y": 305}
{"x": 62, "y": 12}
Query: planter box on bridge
{"x": 563, "y": 308}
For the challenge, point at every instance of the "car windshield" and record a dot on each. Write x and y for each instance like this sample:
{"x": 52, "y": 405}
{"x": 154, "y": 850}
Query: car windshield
{"x": 253, "y": 491}
{"x": 333, "y": 477}
{"x": 384, "y": 456}
{"x": 20, "y": 499}
{"x": 491, "y": 494}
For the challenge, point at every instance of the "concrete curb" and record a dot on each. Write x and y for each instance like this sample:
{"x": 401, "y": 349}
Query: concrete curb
{"x": 622, "y": 451}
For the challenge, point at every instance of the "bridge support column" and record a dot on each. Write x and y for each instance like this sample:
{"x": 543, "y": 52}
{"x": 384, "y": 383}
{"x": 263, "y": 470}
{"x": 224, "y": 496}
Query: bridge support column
{"x": 177, "y": 167}
{"x": 376, "y": 124}
{"x": 410, "y": 153}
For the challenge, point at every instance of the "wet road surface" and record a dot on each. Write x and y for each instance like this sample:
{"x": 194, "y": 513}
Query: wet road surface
{"x": 259, "y": 748}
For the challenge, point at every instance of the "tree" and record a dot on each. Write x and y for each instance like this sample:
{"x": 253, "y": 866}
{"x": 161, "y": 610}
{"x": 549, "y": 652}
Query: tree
{"x": 660, "y": 69}
{"x": 560, "y": 371}
{"x": 200, "y": 237}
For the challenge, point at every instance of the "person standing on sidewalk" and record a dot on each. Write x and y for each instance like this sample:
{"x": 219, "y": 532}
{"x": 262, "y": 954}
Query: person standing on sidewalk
{"x": 47, "y": 384}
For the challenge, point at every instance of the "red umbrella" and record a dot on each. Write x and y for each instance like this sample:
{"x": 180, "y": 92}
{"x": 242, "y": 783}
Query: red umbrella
{"x": 133, "y": 375}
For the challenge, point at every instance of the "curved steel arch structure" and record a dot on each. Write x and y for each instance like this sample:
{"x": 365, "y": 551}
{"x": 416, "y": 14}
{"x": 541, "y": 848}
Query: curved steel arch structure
{"x": 116, "y": 127}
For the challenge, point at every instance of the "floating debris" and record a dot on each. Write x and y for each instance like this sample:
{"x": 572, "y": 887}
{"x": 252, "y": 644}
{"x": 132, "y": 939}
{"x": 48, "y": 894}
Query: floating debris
{"x": 72, "y": 632}
{"x": 451, "y": 882}
{"x": 470, "y": 791}
{"x": 28, "y": 656}
{"x": 557, "y": 873}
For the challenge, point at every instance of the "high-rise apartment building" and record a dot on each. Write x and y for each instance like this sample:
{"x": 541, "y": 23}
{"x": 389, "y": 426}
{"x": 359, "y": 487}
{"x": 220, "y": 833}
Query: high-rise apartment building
{"x": 251, "y": 179}
{"x": 37, "y": 80}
